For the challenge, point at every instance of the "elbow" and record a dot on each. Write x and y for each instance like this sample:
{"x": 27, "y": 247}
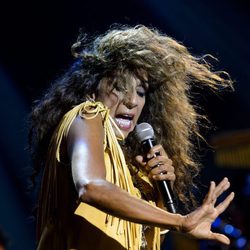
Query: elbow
{"x": 90, "y": 190}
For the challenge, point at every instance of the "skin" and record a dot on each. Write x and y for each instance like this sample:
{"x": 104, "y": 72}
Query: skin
{"x": 85, "y": 139}
{"x": 131, "y": 102}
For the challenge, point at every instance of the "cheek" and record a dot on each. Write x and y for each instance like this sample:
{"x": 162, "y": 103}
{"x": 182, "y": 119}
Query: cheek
{"x": 139, "y": 109}
{"x": 141, "y": 106}
{"x": 111, "y": 102}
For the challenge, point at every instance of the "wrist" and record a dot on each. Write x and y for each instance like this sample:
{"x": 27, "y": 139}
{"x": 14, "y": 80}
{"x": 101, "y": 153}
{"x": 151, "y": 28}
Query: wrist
{"x": 176, "y": 222}
{"x": 179, "y": 223}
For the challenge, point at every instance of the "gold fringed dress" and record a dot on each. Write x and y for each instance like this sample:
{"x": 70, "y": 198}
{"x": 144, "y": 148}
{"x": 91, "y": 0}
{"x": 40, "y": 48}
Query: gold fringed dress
{"x": 65, "y": 223}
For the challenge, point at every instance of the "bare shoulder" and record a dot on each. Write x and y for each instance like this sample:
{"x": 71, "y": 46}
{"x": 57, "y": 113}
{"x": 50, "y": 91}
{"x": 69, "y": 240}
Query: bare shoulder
{"x": 85, "y": 149}
{"x": 89, "y": 131}
{"x": 81, "y": 125}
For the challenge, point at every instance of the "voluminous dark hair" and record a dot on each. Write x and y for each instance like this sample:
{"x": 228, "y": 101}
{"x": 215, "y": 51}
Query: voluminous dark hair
{"x": 170, "y": 71}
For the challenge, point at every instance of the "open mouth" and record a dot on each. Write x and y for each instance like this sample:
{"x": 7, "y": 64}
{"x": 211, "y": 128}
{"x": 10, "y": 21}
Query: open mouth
{"x": 124, "y": 121}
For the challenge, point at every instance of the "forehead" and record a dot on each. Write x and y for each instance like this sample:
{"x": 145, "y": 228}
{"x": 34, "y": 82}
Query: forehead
{"x": 125, "y": 79}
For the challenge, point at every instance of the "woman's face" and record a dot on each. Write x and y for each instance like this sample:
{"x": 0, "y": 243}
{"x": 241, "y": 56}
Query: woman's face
{"x": 125, "y": 108}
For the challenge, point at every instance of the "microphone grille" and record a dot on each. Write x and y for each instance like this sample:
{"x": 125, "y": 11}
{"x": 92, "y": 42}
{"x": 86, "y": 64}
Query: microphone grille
{"x": 144, "y": 131}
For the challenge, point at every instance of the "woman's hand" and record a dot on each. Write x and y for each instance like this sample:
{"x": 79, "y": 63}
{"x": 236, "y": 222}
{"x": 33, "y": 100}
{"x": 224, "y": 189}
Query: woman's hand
{"x": 198, "y": 223}
{"x": 158, "y": 166}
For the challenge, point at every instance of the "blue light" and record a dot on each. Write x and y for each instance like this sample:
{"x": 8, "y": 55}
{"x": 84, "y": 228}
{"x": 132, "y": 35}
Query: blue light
{"x": 241, "y": 242}
{"x": 236, "y": 233}
{"x": 217, "y": 222}
{"x": 228, "y": 229}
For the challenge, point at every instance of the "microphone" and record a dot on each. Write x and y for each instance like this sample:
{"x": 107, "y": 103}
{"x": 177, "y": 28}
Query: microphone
{"x": 145, "y": 134}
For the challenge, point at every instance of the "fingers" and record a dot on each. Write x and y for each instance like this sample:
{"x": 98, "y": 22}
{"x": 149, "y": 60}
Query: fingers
{"x": 223, "y": 205}
{"x": 221, "y": 187}
{"x": 162, "y": 177}
{"x": 139, "y": 159}
{"x": 156, "y": 150}
{"x": 221, "y": 238}
{"x": 160, "y": 168}
{"x": 210, "y": 197}
{"x": 163, "y": 161}
{"x": 215, "y": 191}
{"x": 156, "y": 169}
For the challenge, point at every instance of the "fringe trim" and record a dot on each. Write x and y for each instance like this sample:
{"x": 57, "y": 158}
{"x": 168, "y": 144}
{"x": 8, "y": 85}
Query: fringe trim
{"x": 120, "y": 174}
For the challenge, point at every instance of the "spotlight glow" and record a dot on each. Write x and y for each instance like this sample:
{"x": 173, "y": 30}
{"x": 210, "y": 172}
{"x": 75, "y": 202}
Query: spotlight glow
{"x": 217, "y": 222}
{"x": 228, "y": 229}
{"x": 241, "y": 242}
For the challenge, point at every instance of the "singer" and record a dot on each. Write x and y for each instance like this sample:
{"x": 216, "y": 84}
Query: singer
{"x": 98, "y": 185}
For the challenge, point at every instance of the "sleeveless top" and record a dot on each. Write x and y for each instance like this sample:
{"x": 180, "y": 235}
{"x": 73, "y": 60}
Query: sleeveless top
{"x": 66, "y": 223}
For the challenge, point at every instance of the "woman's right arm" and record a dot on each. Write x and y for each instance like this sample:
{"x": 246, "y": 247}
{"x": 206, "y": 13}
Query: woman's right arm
{"x": 85, "y": 148}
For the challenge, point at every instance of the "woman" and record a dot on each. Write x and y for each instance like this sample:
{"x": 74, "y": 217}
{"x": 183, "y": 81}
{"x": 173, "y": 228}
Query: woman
{"x": 97, "y": 193}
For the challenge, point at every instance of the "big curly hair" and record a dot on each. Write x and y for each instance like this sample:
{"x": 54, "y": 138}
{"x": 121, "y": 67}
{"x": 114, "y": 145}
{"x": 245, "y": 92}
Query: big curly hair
{"x": 170, "y": 71}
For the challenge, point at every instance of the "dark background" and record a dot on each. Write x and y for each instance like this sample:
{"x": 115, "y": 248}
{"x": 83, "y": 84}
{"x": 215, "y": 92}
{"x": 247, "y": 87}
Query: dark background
{"x": 35, "y": 42}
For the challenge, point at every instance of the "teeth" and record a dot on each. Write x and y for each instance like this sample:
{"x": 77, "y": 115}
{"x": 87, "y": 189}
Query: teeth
{"x": 123, "y": 122}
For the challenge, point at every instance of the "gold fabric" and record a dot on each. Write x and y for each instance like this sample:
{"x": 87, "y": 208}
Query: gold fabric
{"x": 65, "y": 226}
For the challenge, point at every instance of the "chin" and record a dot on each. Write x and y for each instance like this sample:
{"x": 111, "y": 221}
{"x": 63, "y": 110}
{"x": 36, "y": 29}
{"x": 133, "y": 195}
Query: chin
{"x": 125, "y": 133}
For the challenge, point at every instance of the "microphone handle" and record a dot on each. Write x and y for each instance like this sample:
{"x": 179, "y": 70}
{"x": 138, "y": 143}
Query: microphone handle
{"x": 164, "y": 187}
{"x": 166, "y": 193}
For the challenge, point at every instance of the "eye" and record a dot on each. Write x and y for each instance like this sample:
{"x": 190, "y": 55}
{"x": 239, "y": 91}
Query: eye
{"x": 141, "y": 91}
{"x": 116, "y": 91}
{"x": 118, "y": 88}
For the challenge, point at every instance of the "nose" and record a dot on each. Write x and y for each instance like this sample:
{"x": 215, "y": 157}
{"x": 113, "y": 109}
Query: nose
{"x": 130, "y": 99}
